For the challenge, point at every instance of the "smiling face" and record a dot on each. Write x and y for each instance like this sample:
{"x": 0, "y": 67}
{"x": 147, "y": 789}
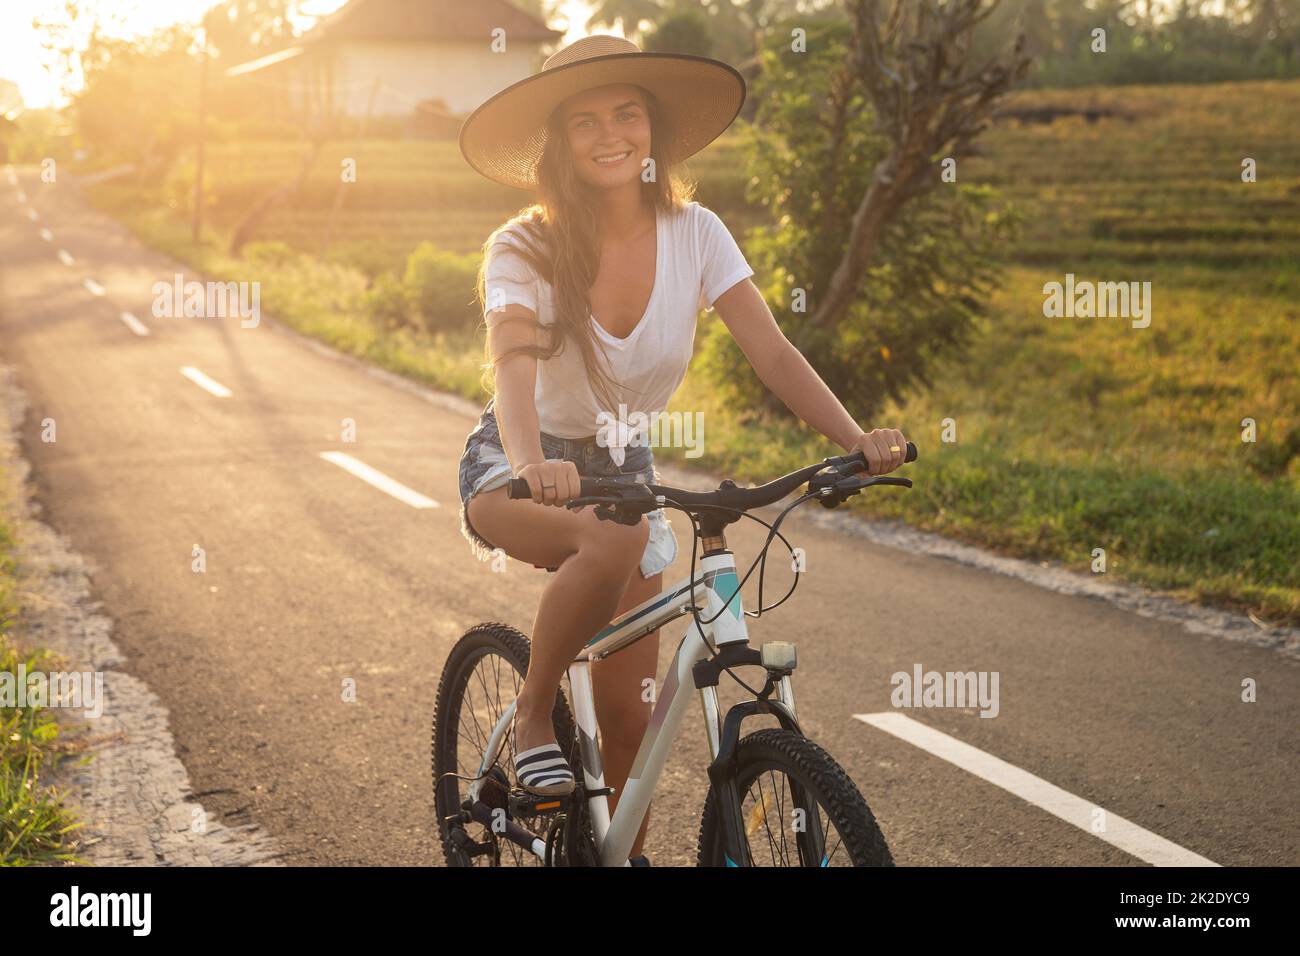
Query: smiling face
{"x": 608, "y": 130}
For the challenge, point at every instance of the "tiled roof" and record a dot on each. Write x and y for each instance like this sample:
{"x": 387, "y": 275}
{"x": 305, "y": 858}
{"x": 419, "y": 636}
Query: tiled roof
{"x": 428, "y": 20}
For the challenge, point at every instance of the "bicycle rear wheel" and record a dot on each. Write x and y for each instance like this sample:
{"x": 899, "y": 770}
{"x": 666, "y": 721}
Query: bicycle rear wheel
{"x": 797, "y": 807}
{"x": 482, "y": 677}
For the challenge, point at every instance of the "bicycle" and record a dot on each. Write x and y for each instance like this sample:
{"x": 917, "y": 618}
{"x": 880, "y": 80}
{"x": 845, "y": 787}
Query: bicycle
{"x": 499, "y": 824}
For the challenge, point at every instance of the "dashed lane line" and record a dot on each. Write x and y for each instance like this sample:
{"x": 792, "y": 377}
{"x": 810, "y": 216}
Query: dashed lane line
{"x": 134, "y": 324}
{"x": 47, "y": 235}
{"x": 204, "y": 382}
{"x": 93, "y": 287}
{"x": 66, "y": 257}
{"x": 379, "y": 480}
{"x": 1087, "y": 816}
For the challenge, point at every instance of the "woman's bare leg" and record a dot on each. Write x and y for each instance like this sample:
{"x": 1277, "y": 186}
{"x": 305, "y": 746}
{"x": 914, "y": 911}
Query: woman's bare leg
{"x": 623, "y": 686}
{"x": 596, "y": 561}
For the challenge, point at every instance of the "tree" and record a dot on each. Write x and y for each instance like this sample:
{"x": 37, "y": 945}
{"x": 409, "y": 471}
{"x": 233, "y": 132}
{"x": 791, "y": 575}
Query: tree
{"x": 241, "y": 30}
{"x": 686, "y": 31}
{"x": 895, "y": 264}
{"x": 625, "y": 14}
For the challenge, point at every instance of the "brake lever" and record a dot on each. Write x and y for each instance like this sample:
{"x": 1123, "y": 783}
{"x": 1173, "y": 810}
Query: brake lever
{"x": 614, "y": 513}
{"x": 589, "y": 500}
{"x": 888, "y": 480}
{"x": 606, "y": 508}
{"x": 845, "y": 488}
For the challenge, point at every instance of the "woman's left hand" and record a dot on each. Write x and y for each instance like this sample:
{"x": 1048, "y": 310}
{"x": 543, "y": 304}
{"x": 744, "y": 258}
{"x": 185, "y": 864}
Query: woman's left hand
{"x": 884, "y": 449}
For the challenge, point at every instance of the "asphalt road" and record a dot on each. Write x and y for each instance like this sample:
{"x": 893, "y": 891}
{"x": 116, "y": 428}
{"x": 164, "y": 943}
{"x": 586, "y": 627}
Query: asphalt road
{"x": 314, "y": 576}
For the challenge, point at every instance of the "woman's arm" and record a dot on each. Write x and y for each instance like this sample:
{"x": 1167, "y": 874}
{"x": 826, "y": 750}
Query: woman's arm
{"x": 552, "y": 482}
{"x": 516, "y": 383}
{"x": 784, "y": 370}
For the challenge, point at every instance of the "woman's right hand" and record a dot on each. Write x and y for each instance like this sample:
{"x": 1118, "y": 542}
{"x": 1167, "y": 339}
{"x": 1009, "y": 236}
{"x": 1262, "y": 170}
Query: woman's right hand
{"x": 552, "y": 482}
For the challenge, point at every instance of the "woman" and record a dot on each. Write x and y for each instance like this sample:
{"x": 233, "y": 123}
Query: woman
{"x": 590, "y": 300}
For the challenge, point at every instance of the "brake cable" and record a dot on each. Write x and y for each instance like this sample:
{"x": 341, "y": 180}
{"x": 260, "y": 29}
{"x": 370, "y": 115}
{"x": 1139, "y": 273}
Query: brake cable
{"x": 762, "y": 557}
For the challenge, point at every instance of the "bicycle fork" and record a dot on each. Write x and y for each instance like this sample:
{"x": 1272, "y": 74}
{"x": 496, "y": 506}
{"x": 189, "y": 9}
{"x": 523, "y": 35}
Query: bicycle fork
{"x": 724, "y": 739}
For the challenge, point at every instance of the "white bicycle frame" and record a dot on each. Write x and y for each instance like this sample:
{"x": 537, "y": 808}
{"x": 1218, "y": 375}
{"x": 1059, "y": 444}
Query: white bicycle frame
{"x": 716, "y": 588}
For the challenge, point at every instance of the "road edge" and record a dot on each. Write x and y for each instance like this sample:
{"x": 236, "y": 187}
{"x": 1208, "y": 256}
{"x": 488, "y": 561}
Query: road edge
{"x": 133, "y": 794}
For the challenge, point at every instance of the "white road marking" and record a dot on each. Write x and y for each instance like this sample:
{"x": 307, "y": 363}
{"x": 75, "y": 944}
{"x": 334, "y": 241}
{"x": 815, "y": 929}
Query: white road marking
{"x": 1121, "y": 833}
{"x": 93, "y": 287}
{"x": 205, "y": 383}
{"x": 379, "y": 480}
{"x": 47, "y": 235}
{"x": 134, "y": 324}
{"x": 65, "y": 257}
{"x": 32, "y": 214}
{"x": 22, "y": 196}
{"x": 13, "y": 180}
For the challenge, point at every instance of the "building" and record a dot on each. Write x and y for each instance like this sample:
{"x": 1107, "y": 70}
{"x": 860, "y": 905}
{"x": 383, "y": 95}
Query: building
{"x": 394, "y": 58}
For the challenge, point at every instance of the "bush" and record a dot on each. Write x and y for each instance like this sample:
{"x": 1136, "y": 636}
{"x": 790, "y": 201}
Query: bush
{"x": 270, "y": 254}
{"x": 387, "y": 304}
{"x": 439, "y": 290}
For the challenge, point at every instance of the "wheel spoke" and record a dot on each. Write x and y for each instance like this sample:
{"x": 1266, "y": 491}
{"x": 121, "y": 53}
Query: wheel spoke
{"x": 773, "y": 790}
{"x": 780, "y": 809}
{"x": 491, "y": 681}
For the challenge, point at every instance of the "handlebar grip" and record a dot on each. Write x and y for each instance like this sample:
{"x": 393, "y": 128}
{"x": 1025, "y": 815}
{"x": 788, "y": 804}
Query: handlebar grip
{"x": 518, "y": 487}
{"x": 860, "y": 457}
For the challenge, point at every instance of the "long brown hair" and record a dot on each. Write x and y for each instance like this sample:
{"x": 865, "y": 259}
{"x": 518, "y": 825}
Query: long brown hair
{"x": 560, "y": 242}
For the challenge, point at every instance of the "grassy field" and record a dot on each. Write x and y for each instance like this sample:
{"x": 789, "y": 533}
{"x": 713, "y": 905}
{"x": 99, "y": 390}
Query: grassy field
{"x": 404, "y": 193}
{"x": 1072, "y": 434}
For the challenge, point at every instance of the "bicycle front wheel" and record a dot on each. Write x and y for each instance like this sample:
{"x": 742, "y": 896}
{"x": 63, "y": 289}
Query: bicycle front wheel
{"x": 797, "y": 808}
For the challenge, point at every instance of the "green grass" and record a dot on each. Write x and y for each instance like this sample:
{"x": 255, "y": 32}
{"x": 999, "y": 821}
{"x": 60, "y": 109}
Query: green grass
{"x": 1073, "y": 434}
{"x": 1123, "y": 439}
{"x": 35, "y": 827}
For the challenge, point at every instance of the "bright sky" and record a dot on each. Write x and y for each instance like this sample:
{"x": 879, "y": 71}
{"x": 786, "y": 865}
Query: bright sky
{"x": 23, "y": 59}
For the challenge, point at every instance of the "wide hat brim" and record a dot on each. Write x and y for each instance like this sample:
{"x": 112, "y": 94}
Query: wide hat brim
{"x": 700, "y": 97}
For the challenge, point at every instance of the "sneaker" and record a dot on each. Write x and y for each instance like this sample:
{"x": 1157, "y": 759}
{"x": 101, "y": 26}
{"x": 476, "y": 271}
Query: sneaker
{"x": 641, "y": 860}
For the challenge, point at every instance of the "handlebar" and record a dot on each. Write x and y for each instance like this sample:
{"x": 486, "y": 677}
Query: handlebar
{"x": 728, "y": 495}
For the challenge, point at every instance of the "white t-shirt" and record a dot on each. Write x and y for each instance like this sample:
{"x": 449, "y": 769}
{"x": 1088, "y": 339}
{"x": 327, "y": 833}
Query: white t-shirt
{"x": 697, "y": 261}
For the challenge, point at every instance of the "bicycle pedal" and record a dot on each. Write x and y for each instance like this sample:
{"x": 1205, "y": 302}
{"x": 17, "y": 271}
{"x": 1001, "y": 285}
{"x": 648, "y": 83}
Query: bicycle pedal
{"x": 526, "y": 804}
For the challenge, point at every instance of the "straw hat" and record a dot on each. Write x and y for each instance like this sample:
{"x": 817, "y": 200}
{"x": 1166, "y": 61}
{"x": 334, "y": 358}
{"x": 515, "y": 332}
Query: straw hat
{"x": 700, "y": 97}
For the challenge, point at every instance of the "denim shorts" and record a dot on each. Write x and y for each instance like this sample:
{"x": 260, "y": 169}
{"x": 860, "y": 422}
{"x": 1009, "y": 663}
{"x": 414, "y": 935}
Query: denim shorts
{"x": 483, "y": 466}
